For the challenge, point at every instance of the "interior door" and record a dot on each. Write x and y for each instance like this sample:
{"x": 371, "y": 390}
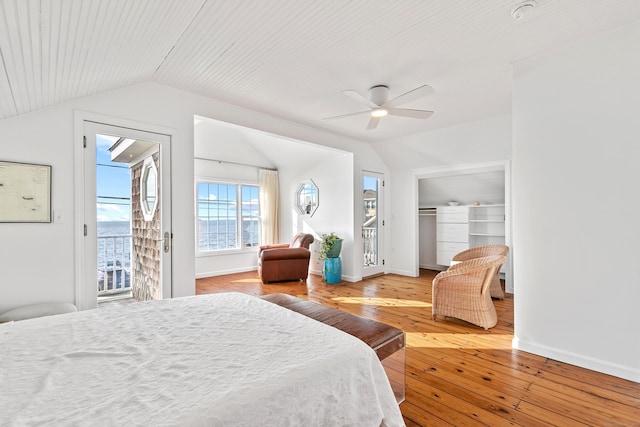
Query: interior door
{"x": 373, "y": 223}
{"x": 147, "y": 155}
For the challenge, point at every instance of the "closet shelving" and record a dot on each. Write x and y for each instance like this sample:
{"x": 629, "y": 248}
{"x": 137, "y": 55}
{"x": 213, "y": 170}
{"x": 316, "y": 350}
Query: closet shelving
{"x": 456, "y": 228}
{"x": 426, "y": 211}
{"x": 486, "y": 224}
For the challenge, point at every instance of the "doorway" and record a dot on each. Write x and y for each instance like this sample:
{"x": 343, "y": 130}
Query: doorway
{"x": 482, "y": 189}
{"x": 372, "y": 223}
{"x": 139, "y": 262}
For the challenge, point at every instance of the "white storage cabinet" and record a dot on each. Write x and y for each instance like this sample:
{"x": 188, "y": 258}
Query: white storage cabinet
{"x": 452, "y": 232}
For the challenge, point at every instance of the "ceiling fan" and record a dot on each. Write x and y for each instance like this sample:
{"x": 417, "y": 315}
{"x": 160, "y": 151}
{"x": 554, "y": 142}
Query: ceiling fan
{"x": 380, "y": 105}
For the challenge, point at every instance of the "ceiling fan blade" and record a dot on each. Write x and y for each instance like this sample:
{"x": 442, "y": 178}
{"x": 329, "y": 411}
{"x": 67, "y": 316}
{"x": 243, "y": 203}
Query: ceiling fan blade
{"x": 407, "y": 112}
{"x": 356, "y": 96}
{"x": 373, "y": 123}
{"x": 414, "y": 94}
{"x": 341, "y": 116}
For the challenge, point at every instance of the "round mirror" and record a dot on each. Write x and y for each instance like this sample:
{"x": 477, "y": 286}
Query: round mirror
{"x": 307, "y": 198}
{"x": 149, "y": 188}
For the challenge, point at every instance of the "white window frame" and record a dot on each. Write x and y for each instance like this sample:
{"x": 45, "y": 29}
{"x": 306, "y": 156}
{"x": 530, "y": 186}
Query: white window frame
{"x": 239, "y": 217}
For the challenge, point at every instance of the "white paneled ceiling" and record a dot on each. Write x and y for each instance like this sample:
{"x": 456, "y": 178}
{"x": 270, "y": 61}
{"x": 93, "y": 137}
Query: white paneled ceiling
{"x": 290, "y": 58}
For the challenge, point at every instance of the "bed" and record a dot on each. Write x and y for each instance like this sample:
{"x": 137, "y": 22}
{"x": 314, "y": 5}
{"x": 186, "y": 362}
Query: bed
{"x": 216, "y": 360}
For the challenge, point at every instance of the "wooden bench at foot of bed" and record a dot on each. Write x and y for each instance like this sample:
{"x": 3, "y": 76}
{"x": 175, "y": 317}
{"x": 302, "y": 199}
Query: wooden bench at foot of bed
{"x": 383, "y": 339}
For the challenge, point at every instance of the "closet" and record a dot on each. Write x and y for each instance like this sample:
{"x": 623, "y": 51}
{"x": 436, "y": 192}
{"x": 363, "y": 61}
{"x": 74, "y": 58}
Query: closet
{"x": 459, "y": 211}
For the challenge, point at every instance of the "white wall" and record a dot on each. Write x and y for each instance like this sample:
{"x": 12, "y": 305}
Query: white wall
{"x": 334, "y": 179}
{"x": 484, "y": 141}
{"x": 222, "y": 141}
{"x": 576, "y": 202}
{"x": 37, "y": 260}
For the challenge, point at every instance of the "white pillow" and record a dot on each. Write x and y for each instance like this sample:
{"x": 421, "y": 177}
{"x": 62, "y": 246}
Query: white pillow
{"x": 37, "y": 310}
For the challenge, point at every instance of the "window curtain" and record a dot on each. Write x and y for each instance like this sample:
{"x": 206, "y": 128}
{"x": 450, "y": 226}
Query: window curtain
{"x": 269, "y": 200}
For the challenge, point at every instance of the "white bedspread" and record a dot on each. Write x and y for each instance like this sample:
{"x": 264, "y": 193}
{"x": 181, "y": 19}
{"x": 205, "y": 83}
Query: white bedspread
{"x": 212, "y": 360}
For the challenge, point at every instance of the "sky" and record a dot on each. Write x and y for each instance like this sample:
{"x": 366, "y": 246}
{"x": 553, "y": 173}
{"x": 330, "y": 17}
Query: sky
{"x": 112, "y": 181}
{"x": 370, "y": 183}
{"x": 220, "y": 200}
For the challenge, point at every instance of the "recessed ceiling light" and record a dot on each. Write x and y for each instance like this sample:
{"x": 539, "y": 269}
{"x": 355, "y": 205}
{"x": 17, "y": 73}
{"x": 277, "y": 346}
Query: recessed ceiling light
{"x": 523, "y": 9}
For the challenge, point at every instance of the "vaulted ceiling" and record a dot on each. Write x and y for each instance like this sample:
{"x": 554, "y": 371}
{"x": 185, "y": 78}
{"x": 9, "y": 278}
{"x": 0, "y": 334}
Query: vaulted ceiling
{"x": 290, "y": 58}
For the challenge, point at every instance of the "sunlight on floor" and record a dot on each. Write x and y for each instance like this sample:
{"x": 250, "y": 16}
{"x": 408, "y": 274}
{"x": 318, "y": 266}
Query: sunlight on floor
{"x": 489, "y": 341}
{"x": 382, "y": 302}
{"x": 247, "y": 281}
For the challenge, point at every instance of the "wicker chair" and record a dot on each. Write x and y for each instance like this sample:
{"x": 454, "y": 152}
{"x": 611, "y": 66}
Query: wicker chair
{"x": 462, "y": 291}
{"x": 482, "y": 251}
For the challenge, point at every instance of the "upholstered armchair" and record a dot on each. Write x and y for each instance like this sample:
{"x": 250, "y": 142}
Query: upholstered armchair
{"x": 482, "y": 251}
{"x": 287, "y": 261}
{"x": 462, "y": 291}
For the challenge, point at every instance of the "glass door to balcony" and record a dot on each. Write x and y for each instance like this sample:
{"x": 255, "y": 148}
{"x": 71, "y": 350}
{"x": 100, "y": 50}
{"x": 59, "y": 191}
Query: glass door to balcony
{"x": 127, "y": 215}
{"x": 372, "y": 224}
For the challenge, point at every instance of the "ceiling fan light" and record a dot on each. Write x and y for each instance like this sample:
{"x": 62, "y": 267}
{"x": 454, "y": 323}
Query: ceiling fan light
{"x": 379, "y": 112}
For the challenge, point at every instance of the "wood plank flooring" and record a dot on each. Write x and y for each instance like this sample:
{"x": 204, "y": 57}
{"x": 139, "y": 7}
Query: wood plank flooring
{"x": 458, "y": 374}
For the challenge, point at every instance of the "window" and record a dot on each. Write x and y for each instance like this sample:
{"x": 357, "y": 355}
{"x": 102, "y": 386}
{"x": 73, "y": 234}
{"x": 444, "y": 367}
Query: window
{"x": 250, "y": 216}
{"x": 218, "y": 216}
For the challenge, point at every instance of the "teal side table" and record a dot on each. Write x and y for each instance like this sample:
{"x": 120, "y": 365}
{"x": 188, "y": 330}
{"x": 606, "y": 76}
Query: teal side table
{"x": 333, "y": 270}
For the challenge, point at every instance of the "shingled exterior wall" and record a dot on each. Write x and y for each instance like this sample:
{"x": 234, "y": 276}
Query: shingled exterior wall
{"x": 146, "y": 247}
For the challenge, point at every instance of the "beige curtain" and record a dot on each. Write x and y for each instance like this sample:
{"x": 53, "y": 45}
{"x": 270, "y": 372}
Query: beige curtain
{"x": 269, "y": 199}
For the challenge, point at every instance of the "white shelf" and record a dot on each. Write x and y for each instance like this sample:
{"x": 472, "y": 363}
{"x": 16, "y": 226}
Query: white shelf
{"x": 486, "y": 224}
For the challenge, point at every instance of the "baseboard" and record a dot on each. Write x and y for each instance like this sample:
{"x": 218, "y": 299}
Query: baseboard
{"x": 344, "y": 278}
{"x": 433, "y": 267}
{"x": 625, "y": 372}
{"x": 403, "y": 272}
{"x": 223, "y": 272}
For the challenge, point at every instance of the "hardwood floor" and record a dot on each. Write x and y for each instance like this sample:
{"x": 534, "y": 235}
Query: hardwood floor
{"x": 458, "y": 374}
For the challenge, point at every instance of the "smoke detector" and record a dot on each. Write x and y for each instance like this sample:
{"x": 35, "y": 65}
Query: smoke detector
{"x": 523, "y": 9}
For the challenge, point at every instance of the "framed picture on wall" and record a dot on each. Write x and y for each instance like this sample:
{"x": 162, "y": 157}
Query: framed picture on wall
{"x": 25, "y": 192}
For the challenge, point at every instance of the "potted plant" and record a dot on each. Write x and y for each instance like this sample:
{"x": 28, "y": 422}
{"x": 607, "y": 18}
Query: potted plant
{"x": 330, "y": 247}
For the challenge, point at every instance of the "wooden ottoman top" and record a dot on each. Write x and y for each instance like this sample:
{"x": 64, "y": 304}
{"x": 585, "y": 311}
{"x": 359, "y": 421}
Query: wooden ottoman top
{"x": 384, "y": 339}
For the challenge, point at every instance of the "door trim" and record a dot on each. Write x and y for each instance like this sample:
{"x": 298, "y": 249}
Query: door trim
{"x": 82, "y": 300}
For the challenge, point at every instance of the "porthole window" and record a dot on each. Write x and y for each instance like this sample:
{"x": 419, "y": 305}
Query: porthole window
{"x": 149, "y": 189}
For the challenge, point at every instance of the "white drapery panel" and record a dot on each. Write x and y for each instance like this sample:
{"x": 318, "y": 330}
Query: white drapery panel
{"x": 269, "y": 199}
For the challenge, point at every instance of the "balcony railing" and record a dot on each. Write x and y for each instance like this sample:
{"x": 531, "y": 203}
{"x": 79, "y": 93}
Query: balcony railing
{"x": 114, "y": 264}
{"x": 369, "y": 236}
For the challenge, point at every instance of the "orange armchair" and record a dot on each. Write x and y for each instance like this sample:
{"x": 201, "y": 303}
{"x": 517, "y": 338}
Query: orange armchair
{"x": 287, "y": 261}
